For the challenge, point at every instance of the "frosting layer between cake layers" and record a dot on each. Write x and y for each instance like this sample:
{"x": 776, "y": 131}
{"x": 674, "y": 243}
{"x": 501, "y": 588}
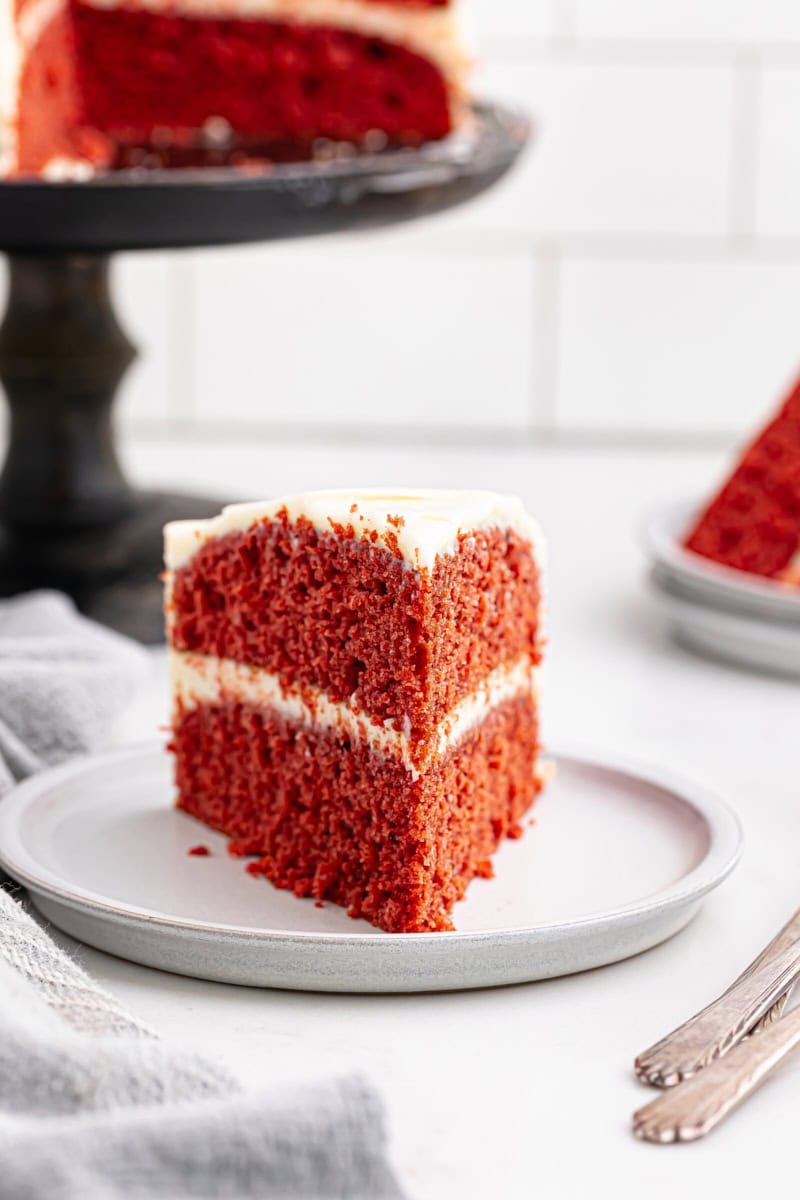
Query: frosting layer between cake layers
{"x": 207, "y": 680}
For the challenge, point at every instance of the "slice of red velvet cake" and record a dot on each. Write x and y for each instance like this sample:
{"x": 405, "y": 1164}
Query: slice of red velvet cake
{"x": 753, "y": 524}
{"x": 113, "y": 83}
{"x": 354, "y": 680}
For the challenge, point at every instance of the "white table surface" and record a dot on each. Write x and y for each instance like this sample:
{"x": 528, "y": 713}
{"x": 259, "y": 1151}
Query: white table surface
{"x": 528, "y": 1090}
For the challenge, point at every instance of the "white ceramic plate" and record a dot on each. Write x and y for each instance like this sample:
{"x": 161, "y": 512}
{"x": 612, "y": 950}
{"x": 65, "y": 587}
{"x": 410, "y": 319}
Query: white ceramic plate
{"x": 772, "y": 646}
{"x": 700, "y": 580}
{"x": 619, "y": 860}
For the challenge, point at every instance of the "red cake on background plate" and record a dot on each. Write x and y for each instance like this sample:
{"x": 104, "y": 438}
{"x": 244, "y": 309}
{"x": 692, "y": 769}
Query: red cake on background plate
{"x": 753, "y": 523}
{"x": 87, "y": 84}
{"x": 354, "y": 690}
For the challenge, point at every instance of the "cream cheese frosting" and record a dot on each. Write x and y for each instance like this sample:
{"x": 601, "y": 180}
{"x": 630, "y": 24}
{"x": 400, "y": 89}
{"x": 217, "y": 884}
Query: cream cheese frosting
{"x": 421, "y": 524}
{"x": 17, "y": 37}
{"x": 205, "y": 679}
{"x": 10, "y": 65}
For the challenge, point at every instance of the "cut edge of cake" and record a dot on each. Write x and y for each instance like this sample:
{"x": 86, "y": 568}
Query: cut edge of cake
{"x": 202, "y": 679}
{"x": 476, "y": 770}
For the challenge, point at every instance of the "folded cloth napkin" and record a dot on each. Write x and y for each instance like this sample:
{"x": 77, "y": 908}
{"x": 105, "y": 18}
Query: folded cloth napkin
{"x": 62, "y": 679}
{"x": 93, "y": 1105}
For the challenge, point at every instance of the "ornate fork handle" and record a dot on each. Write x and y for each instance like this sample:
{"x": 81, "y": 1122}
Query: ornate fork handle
{"x": 691, "y": 1110}
{"x": 746, "y": 1003}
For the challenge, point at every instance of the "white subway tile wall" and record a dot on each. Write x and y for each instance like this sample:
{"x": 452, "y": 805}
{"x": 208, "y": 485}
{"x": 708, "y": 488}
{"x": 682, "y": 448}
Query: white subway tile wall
{"x": 680, "y": 345}
{"x": 722, "y": 21}
{"x": 636, "y": 277}
{"x": 778, "y": 177}
{"x": 621, "y": 148}
{"x": 510, "y": 18}
{"x": 335, "y": 337}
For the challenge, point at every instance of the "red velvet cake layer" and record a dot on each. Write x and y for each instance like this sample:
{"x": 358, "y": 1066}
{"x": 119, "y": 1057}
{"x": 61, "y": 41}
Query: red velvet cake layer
{"x": 110, "y": 78}
{"x": 350, "y": 618}
{"x": 753, "y": 524}
{"x": 330, "y": 818}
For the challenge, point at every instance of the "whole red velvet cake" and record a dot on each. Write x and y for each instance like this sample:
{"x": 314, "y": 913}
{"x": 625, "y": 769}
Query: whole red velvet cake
{"x": 354, "y": 688}
{"x": 104, "y": 83}
{"x": 753, "y": 524}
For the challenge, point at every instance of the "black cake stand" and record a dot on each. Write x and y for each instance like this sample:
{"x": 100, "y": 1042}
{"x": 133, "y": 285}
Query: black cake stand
{"x": 69, "y": 519}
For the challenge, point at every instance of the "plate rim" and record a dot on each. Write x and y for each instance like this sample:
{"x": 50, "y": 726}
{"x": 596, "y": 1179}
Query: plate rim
{"x": 659, "y": 533}
{"x": 725, "y": 846}
{"x": 721, "y": 620}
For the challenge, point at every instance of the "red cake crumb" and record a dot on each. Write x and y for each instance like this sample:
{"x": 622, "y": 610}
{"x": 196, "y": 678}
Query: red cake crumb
{"x": 753, "y": 524}
{"x": 199, "y": 851}
{"x": 242, "y": 849}
{"x": 338, "y": 613}
{"x": 339, "y": 822}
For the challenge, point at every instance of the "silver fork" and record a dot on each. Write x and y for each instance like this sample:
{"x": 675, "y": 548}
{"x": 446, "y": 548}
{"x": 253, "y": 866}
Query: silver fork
{"x": 753, "y": 1001}
{"x": 690, "y": 1111}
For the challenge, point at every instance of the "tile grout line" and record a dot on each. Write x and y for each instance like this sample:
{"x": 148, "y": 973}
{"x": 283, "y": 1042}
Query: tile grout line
{"x": 563, "y": 23}
{"x": 492, "y": 241}
{"x": 565, "y": 42}
{"x": 544, "y": 342}
{"x": 181, "y": 322}
{"x": 509, "y": 438}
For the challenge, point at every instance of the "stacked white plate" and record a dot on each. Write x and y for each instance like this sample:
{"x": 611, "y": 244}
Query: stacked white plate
{"x": 728, "y": 614}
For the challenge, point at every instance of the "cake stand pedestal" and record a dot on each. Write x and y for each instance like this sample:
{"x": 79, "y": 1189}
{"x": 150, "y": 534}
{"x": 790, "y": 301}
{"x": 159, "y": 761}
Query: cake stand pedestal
{"x": 69, "y": 519}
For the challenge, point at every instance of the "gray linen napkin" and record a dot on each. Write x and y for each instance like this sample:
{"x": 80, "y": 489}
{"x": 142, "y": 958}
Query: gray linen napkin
{"x": 93, "y": 1106}
{"x": 62, "y": 679}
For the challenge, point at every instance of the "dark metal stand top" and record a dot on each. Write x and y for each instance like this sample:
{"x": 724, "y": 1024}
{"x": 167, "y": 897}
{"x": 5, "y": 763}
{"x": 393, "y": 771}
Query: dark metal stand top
{"x": 154, "y": 209}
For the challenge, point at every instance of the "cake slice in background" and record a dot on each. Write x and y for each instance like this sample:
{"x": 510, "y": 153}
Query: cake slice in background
{"x": 753, "y": 524}
{"x": 88, "y": 84}
{"x": 354, "y": 680}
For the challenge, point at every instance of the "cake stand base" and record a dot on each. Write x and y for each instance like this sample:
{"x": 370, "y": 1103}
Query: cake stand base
{"x": 69, "y": 519}
{"x": 112, "y": 571}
